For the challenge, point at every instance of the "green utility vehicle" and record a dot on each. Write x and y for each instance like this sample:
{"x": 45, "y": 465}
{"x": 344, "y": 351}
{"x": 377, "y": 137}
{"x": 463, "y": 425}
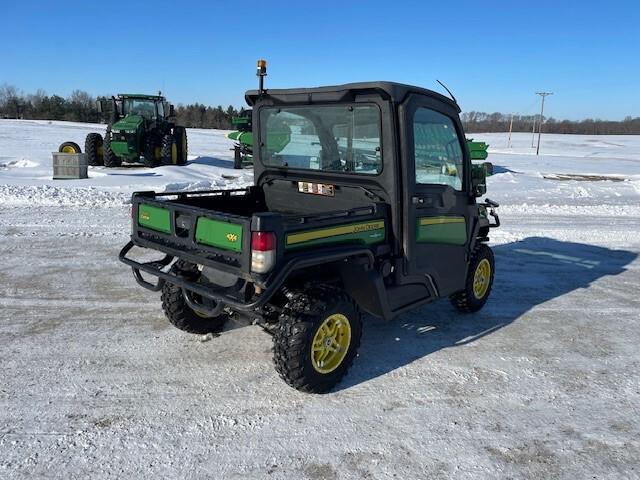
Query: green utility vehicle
{"x": 142, "y": 129}
{"x": 371, "y": 206}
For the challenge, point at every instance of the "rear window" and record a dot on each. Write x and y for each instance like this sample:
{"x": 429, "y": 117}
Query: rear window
{"x": 332, "y": 138}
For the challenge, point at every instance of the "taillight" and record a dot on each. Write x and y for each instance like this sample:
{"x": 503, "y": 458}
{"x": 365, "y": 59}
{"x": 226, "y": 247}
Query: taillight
{"x": 263, "y": 251}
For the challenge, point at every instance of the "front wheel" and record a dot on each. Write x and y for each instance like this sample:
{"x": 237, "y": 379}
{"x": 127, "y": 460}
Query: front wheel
{"x": 179, "y": 313}
{"x": 479, "y": 281}
{"x": 93, "y": 148}
{"x": 111, "y": 160}
{"x": 317, "y": 339}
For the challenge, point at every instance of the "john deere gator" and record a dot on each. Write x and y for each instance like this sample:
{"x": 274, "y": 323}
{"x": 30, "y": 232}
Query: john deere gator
{"x": 372, "y": 205}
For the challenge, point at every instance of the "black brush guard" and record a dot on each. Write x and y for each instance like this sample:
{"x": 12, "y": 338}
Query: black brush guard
{"x": 222, "y": 299}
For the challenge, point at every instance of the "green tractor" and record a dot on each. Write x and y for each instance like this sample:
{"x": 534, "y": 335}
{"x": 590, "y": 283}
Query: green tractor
{"x": 142, "y": 129}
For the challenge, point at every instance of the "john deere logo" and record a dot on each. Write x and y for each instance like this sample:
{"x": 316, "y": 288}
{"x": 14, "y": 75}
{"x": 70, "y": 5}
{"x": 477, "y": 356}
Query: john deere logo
{"x": 144, "y": 216}
{"x": 232, "y": 237}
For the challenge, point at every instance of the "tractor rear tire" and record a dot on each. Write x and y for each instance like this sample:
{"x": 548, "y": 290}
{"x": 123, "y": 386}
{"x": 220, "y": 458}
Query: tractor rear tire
{"x": 179, "y": 313}
{"x": 317, "y": 338}
{"x": 93, "y": 148}
{"x": 479, "y": 281}
{"x": 180, "y": 135}
{"x": 169, "y": 150}
{"x": 111, "y": 160}
{"x": 149, "y": 158}
{"x": 69, "y": 147}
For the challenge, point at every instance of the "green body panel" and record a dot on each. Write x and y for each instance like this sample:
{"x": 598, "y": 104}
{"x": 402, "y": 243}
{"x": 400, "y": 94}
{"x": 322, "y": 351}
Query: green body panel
{"x": 122, "y": 149}
{"x": 477, "y": 150}
{"x": 367, "y": 233}
{"x": 245, "y": 138}
{"x": 215, "y": 233}
{"x": 447, "y": 230}
{"x": 240, "y": 120}
{"x": 155, "y": 218}
{"x": 275, "y": 141}
{"x": 131, "y": 127}
{"x": 129, "y": 124}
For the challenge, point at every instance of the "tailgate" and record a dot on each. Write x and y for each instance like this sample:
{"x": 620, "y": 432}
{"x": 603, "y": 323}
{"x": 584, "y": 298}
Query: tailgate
{"x": 199, "y": 235}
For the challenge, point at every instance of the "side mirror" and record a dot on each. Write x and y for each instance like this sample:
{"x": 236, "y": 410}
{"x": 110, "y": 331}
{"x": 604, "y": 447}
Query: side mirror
{"x": 488, "y": 168}
{"x": 478, "y": 180}
{"x": 479, "y": 190}
{"x": 172, "y": 111}
{"x": 101, "y": 106}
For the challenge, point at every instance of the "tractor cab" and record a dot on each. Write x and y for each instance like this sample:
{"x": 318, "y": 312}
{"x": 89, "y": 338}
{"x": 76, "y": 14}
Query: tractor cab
{"x": 150, "y": 107}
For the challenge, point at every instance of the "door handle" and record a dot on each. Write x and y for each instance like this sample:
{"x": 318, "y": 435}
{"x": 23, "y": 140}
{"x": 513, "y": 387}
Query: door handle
{"x": 416, "y": 200}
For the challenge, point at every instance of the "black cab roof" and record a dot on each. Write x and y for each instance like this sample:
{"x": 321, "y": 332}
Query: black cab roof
{"x": 396, "y": 92}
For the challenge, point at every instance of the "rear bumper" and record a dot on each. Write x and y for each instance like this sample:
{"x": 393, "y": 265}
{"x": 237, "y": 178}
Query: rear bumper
{"x": 272, "y": 285}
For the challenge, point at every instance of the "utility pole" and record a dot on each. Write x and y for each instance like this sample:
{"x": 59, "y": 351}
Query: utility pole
{"x": 533, "y": 131}
{"x": 542, "y": 94}
{"x": 510, "y": 128}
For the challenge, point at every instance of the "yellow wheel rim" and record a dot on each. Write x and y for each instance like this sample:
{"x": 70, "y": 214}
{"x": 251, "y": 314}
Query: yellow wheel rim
{"x": 184, "y": 147}
{"x": 331, "y": 343}
{"x": 158, "y": 153}
{"x": 174, "y": 153}
{"x": 100, "y": 151}
{"x": 68, "y": 149}
{"x": 482, "y": 279}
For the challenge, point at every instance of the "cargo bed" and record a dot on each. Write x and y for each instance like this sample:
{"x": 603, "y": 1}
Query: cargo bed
{"x": 214, "y": 228}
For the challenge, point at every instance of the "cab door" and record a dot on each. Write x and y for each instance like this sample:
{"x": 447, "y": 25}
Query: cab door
{"x": 437, "y": 202}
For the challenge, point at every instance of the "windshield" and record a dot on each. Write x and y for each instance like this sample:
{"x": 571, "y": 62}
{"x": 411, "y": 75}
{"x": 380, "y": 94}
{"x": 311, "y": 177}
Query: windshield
{"x": 341, "y": 138}
{"x": 135, "y": 106}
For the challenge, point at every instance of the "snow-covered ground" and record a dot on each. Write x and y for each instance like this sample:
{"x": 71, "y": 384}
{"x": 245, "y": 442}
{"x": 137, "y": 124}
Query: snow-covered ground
{"x": 542, "y": 383}
{"x": 26, "y": 167}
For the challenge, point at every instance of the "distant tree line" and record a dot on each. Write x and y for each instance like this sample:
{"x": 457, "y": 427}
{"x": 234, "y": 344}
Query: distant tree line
{"x": 200, "y": 116}
{"x": 480, "y": 122}
{"x": 77, "y": 107}
{"x": 80, "y": 106}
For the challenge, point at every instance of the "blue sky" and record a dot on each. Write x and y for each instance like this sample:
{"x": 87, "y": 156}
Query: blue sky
{"x": 492, "y": 55}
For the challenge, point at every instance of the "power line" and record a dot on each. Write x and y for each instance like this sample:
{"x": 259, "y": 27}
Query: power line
{"x": 542, "y": 94}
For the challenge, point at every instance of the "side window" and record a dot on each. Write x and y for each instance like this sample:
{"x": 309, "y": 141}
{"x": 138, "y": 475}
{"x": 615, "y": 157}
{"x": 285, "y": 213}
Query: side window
{"x": 160, "y": 109}
{"x": 438, "y": 155}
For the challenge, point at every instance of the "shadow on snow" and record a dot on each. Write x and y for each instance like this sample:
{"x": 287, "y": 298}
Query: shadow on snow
{"x": 212, "y": 161}
{"x": 528, "y": 273}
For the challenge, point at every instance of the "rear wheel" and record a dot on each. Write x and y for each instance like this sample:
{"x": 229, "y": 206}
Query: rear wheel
{"x": 317, "y": 338}
{"x": 93, "y": 149}
{"x": 111, "y": 160}
{"x": 180, "y": 136}
{"x": 479, "y": 281}
{"x": 169, "y": 150}
{"x": 69, "y": 147}
{"x": 179, "y": 313}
